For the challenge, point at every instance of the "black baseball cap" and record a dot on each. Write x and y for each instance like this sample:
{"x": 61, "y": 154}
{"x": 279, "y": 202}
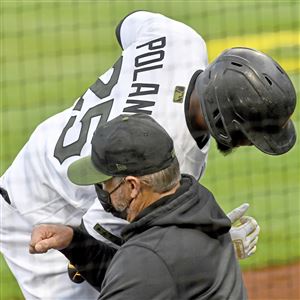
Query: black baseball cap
{"x": 127, "y": 145}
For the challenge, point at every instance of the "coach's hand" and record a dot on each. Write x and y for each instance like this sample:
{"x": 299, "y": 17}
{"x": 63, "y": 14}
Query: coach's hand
{"x": 50, "y": 236}
{"x": 244, "y": 232}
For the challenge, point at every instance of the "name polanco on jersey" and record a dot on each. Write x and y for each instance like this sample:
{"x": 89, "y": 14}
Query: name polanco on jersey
{"x": 145, "y": 62}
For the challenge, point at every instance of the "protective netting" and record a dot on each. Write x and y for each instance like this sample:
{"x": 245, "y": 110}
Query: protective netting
{"x": 51, "y": 51}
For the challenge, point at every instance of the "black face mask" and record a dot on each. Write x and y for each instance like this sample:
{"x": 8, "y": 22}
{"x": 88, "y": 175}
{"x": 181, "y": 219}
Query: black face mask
{"x": 105, "y": 200}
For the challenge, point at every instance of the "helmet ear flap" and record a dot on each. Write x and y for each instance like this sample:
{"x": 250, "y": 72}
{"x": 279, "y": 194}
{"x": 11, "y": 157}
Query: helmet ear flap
{"x": 211, "y": 110}
{"x": 219, "y": 124}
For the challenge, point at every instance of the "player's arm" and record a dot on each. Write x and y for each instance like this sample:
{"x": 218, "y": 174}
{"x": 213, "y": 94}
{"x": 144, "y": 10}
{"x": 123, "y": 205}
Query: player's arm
{"x": 244, "y": 232}
{"x": 90, "y": 256}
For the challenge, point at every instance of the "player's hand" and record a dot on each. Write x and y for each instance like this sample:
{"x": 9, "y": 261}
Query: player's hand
{"x": 74, "y": 275}
{"x": 244, "y": 232}
{"x": 50, "y": 236}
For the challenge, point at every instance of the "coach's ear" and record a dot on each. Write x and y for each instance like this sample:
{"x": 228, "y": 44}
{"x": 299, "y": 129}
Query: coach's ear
{"x": 133, "y": 186}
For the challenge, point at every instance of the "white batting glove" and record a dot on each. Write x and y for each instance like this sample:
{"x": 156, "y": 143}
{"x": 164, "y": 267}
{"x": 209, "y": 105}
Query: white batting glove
{"x": 244, "y": 232}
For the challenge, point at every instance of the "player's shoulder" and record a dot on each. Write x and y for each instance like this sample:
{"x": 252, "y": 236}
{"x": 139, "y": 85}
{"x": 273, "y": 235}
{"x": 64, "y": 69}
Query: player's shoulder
{"x": 142, "y": 23}
{"x": 140, "y": 16}
{"x": 149, "y": 18}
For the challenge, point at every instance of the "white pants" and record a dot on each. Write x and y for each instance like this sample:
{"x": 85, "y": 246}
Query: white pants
{"x": 40, "y": 276}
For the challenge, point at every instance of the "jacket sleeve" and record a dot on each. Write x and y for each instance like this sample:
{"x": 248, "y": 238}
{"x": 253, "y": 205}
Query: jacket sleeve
{"x": 138, "y": 273}
{"x": 91, "y": 257}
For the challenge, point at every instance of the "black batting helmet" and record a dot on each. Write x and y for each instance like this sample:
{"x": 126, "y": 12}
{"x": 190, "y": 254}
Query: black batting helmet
{"x": 246, "y": 91}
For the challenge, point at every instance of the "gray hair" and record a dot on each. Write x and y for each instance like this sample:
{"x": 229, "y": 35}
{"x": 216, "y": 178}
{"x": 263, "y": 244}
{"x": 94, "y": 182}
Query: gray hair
{"x": 161, "y": 181}
{"x": 164, "y": 180}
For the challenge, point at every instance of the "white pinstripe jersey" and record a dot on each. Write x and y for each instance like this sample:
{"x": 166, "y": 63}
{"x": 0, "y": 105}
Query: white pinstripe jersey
{"x": 159, "y": 57}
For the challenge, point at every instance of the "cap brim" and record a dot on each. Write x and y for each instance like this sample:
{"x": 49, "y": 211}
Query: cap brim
{"x": 275, "y": 143}
{"x": 83, "y": 172}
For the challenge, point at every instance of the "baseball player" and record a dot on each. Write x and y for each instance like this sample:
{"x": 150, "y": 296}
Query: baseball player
{"x": 159, "y": 73}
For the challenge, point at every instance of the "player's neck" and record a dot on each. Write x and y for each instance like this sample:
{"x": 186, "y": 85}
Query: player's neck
{"x": 196, "y": 117}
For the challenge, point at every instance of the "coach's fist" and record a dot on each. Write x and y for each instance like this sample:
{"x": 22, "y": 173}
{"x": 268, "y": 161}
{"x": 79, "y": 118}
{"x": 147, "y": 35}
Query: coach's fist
{"x": 50, "y": 236}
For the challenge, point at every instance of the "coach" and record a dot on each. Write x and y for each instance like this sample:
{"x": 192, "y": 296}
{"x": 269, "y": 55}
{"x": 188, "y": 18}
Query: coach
{"x": 177, "y": 245}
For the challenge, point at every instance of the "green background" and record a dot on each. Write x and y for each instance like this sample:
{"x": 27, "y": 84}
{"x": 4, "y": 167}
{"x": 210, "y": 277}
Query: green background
{"x": 52, "y": 51}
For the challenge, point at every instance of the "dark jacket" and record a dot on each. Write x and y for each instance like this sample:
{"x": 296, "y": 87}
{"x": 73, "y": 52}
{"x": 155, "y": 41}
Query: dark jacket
{"x": 177, "y": 248}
